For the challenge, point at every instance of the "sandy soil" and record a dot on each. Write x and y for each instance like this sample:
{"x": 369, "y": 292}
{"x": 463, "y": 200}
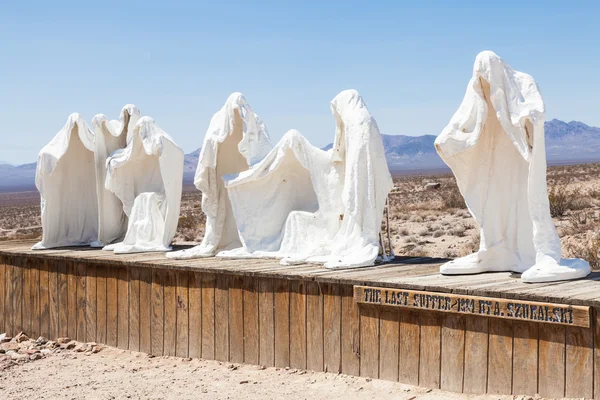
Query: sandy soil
{"x": 119, "y": 374}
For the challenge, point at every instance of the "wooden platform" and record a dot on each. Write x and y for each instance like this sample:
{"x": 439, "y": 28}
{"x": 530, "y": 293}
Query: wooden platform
{"x": 304, "y": 316}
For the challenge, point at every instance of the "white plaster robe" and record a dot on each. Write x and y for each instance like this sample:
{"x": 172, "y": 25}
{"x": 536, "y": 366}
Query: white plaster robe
{"x": 147, "y": 177}
{"x": 235, "y": 139}
{"x": 303, "y": 204}
{"x": 111, "y": 136}
{"x": 66, "y": 179}
{"x": 494, "y": 145}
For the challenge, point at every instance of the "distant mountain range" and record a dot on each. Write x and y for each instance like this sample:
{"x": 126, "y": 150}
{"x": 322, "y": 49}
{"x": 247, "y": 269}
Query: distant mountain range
{"x": 566, "y": 142}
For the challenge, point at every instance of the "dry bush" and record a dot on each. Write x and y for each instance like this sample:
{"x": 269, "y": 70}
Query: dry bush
{"x": 588, "y": 251}
{"x": 459, "y": 231}
{"x": 438, "y": 233}
{"x": 562, "y": 200}
{"x": 470, "y": 247}
{"x": 452, "y": 199}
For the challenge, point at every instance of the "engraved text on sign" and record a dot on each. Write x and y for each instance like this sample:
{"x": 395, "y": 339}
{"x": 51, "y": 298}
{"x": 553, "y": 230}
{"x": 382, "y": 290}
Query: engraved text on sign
{"x": 562, "y": 314}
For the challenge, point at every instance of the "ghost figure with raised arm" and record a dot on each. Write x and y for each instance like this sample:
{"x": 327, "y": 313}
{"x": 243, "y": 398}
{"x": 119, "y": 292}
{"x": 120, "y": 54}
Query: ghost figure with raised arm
{"x": 494, "y": 145}
{"x": 236, "y": 139}
{"x": 66, "y": 179}
{"x": 110, "y": 136}
{"x": 147, "y": 177}
{"x": 303, "y": 204}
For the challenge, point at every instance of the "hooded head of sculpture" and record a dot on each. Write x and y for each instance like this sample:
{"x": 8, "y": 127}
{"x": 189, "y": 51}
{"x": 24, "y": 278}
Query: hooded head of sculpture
{"x": 344, "y": 108}
{"x": 122, "y": 129}
{"x": 255, "y": 142}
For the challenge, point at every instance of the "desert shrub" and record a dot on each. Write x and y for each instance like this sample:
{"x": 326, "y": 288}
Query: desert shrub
{"x": 452, "y": 199}
{"x": 470, "y": 247}
{"x": 561, "y": 200}
{"x": 450, "y": 254}
{"x": 459, "y": 231}
{"x": 188, "y": 222}
{"x": 588, "y": 251}
{"x": 438, "y": 233}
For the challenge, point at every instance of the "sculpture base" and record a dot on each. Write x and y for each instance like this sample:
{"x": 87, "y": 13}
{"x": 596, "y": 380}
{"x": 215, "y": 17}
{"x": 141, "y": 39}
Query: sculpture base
{"x": 306, "y": 317}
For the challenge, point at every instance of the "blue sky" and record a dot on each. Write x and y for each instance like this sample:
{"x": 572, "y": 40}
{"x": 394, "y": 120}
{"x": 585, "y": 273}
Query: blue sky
{"x": 179, "y": 60}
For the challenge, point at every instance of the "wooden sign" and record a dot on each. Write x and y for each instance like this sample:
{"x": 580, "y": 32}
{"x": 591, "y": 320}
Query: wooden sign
{"x": 562, "y": 314}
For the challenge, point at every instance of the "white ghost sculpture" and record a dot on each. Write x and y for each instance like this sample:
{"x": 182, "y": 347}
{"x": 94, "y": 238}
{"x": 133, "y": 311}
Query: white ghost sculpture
{"x": 494, "y": 145}
{"x": 147, "y": 178}
{"x": 303, "y": 204}
{"x": 235, "y": 139}
{"x": 66, "y": 179}
{"x": 111, "y": 136}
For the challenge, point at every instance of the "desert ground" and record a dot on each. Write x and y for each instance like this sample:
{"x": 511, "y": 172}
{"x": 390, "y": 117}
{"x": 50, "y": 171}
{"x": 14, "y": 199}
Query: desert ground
{"x": 66, "y": 369}
{"x": 427, "y": 218}
{"x": 424, "y": 220}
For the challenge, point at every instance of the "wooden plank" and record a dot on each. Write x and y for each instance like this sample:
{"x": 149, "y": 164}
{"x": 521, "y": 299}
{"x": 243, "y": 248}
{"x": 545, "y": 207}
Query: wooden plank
{"x": 521, "y": 310}
{"x": 195, "y": 314}
{"x": 251, "y": 317}
{"x": 101, "y": 313}
{"x": 145, "y": 310}
{"x": 429, "y": 353}
{"x": 476, "y": 354}
{"x": 18, "y": 295}
{"x": 81, "y": 303}
{"x": 34, "y": 283}
{"x": 298, "y": 324}
{"x": 62, "y": 299}
{"x": 409, "y": 348}
{"x": 266, "y": 323}
{"x": 453, "y": 353}
{"x": 369, "y": 341}
{"x": 596, "y": 334}
{"x": 8, "y": 302}
{"x": 3, "y": 313}
{"x": 236, "y": 320}
{"x": 53, "y": 298}
{"x": 551, "y": 361}
{"x": 314, "y": 327}
{"x": 525, "y": 358}
{"x": 332, "y": 328}
{"x": 72, "y": 300}
{"x": 170, "y": 330}
{"x": 220, "y": 317}
{"x": 112, "y": 306}
{"x": 282, "y": 322}
{"x": 579, "y": 373}
{"x": 27, "y": 306}
{"x": 123, "y": 308}
{"x": 500, "y": 362}
{"x": 182, "y": 345}
{"x": 350, "y": 342}
{"x": 208, "y": 318}
{"x": 90, "y": 303}
{"x": 158, "y": 322}
{"x": 389, "y": 344}
{"x": 134, "y": 308}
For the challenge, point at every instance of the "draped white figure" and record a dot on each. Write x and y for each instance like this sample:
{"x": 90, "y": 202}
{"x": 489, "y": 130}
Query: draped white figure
{"x": 110, "y": 136}
{"x": 235, "y": 139}
{"x": 303, "y": 204}
{"x": 494, "y": 145}
{"x": 147, "y": 177}
{"x": 66, "y": 179}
